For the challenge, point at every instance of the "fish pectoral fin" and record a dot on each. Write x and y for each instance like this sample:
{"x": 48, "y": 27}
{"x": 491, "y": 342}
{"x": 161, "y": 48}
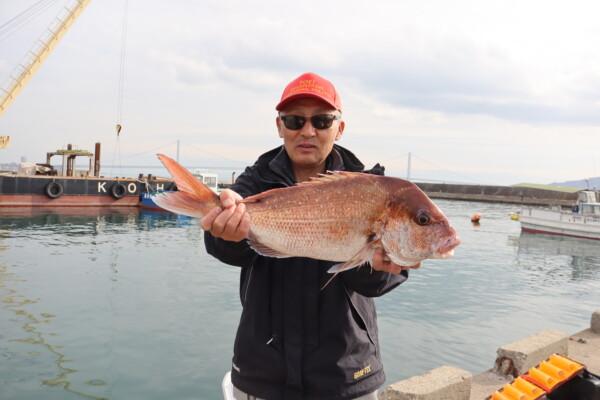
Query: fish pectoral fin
{"x": 362, "y": 257}
{"x": 335, "y": 268}
{"x": 266, "y": 251}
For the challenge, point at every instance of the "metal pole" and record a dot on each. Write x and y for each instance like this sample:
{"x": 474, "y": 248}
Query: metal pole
{"x": 408, "y": 167}
{"x": 177, "y": 151}
{"x": 97, "y": 160}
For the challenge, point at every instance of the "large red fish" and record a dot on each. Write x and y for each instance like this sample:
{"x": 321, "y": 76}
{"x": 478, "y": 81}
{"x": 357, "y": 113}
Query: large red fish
{"x": 342, "y": 216}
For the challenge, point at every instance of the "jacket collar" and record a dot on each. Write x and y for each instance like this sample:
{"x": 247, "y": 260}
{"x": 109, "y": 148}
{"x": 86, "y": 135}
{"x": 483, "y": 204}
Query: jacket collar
{"x": 282, "y": 167}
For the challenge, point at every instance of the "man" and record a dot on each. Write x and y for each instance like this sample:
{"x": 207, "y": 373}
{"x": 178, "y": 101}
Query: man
{"x": 296, "y": 341}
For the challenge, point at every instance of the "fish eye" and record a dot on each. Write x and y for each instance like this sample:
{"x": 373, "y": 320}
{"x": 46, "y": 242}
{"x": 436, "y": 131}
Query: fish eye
{"x": 422, "y": 218}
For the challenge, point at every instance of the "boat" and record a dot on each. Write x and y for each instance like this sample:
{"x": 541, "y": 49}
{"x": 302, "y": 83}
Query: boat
{"x": 209, "y": 179}
{"x": 43, "y": 185}
{"x": 582, "y": 221}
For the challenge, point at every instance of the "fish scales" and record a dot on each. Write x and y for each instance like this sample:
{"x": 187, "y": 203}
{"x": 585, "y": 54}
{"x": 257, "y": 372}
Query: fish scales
{"x": 330, "y": 219}
{"x": 344, "y": 216}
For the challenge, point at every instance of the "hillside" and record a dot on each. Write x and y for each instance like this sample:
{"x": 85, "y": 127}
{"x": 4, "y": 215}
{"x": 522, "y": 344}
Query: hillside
{"x": 591, "y": 183}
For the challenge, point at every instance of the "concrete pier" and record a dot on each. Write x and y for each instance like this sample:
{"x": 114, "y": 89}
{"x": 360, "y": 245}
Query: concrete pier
{"x": 517, "y": 358}
{"x": 443, "y": 383}
{"x": 451, "y": 383}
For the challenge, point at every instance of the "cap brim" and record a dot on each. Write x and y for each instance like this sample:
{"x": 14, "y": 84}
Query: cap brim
{"x": 285, "y": 101}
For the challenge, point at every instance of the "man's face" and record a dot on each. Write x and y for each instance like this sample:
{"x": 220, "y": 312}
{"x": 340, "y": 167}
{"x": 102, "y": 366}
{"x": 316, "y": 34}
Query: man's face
{"x": 308, "y": 147}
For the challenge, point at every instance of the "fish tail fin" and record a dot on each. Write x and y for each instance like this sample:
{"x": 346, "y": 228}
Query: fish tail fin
{"x": 180, "y": 203}
{"x": 194, "y": 198}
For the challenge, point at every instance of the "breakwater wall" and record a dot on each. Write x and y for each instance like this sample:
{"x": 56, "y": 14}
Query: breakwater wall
{"x": 514, "y": 359}
{"x": 498, "y": 194}
{"x": 490, "y": 193}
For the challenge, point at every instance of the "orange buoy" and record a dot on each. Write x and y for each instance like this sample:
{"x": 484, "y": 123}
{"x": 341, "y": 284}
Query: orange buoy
{"x": 475, "y": 218}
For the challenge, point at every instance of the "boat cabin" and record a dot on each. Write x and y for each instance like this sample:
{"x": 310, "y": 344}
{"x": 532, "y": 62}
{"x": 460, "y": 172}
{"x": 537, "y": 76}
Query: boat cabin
{"x": 588, "y": 202}
{"x": 209, "y": 179}
{"x": 69, "y": 164}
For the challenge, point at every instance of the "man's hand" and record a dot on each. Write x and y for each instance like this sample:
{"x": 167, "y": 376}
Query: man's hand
{"x": 231, "y": 222}
{"x": 381, "y": 262}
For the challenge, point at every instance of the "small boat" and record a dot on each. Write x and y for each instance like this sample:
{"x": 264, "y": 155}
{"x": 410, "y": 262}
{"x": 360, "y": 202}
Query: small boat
{"x": 582, "y": 221}
{"x": 147, "y": 202}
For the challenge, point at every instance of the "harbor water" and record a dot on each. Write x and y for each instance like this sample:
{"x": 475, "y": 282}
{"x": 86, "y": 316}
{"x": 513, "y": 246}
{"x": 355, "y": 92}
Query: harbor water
{"x": 126, "y": 304}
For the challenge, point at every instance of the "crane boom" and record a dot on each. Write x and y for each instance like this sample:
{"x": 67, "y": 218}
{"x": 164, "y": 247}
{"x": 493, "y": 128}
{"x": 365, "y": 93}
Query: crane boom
{"x": 39, "y": 52}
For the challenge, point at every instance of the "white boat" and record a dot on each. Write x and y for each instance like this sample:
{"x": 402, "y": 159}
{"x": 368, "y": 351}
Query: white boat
{"x": 209, "y": 179}
{"x": 582, "y": 221}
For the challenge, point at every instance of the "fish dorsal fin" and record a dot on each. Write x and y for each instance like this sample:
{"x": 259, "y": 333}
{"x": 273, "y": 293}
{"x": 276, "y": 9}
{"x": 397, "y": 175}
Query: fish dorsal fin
{"x": 319, "y": 180}
{"x": 331, "y": 176}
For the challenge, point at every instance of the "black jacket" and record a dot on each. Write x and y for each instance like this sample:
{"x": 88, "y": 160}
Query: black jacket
{"x": 295, "y": 341}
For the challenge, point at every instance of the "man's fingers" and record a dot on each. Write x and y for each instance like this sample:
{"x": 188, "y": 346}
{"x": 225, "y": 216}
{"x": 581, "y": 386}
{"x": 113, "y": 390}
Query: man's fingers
{"x": 416, "y": 266}
{"x": 395, "y": 269}
{"x": 382, "y": 262}
{"x": 232, "y": 225}
{"x": 229, "y": 198}
{"x": 245, "y": 225}
{"x": 220, "y": 223}
{"x": 206, "y": 223}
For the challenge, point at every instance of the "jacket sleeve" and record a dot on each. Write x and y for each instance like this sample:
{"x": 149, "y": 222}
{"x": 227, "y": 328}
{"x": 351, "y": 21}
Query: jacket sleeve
{"x": 233, "y": 253}
{"x": 371, "y": 283}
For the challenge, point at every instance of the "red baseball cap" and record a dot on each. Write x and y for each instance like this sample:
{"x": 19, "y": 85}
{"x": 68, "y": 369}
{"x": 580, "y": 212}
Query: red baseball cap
{"x": 310, "y": 85}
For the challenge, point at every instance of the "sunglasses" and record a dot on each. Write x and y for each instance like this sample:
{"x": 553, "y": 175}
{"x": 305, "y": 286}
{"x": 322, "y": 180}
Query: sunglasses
{"x": 322, "y": 121}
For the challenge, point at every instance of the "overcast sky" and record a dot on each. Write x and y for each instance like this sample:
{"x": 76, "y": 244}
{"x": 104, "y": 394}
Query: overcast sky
{"x": 496, "y": 92}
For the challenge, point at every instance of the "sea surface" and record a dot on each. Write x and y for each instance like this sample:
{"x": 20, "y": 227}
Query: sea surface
{"x": 126, "y": 304}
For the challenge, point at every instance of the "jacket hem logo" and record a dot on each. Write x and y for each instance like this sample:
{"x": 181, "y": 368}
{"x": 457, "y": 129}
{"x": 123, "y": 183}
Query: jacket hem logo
{"x": 366, "y": 370}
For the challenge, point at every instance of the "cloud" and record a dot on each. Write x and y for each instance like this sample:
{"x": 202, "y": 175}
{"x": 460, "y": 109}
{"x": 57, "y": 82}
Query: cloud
{"x": 471, "y": 85}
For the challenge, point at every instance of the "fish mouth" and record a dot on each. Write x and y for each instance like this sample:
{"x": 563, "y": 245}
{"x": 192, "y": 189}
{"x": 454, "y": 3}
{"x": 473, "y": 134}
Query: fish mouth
{"x": 446, "y": 248}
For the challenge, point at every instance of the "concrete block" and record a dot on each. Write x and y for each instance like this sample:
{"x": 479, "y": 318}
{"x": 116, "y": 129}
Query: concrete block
{"x": 595, "y": 324}
{"x": 443, "y": 383}
{"x": 517, "y": 358}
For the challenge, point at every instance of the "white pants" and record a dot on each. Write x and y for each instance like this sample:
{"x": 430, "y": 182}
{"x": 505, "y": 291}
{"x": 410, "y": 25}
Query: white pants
{"x": 239, "y": 395}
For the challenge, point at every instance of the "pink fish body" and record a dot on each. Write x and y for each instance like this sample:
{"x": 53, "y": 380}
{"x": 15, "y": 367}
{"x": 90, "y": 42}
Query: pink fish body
{"x": 342, "y": 217}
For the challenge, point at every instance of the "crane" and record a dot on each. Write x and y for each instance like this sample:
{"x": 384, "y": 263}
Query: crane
{"x": 38, "y": 53}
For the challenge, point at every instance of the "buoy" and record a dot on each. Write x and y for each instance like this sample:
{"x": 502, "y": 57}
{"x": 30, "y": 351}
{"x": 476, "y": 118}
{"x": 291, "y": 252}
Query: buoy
{"x": 476, "y": 217}
{"x": 514, "y": 217}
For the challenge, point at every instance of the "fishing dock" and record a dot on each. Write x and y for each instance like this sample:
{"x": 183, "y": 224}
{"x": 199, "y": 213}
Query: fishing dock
{"x": 513, "y": 360}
